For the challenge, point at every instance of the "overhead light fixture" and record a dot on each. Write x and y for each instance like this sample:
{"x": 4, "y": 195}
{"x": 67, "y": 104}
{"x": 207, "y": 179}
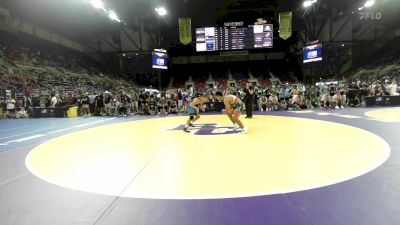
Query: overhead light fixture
{"x": 97, "y": 4}
{"x": 369, "y": 3}
{"x": 308, "y": 3}
{"x": 161, "y": 11}
{"x": 113, "y": 16}
{"x": 361, "y": 8}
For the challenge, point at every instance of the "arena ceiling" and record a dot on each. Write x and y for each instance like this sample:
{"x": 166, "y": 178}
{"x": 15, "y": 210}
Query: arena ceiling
{"x": 78, "y": 20}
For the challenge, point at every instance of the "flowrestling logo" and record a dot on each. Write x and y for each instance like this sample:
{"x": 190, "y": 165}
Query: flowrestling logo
{"x": 208, "y": 129}
{"x": 312, "y": 54}
{"x": 160, "y": 62}
{"x": 370, "y": 15}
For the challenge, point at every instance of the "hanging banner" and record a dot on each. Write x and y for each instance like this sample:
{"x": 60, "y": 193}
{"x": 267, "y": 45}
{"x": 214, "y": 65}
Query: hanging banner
{"x": 185, "y": 30}
{"x": 285, "y": 25}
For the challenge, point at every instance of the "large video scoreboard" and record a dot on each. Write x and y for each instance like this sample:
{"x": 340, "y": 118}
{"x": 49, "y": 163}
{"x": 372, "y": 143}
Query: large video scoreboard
{"x": 312, "y": 53}
{"x": 160, "y": 59}
{"x": 234, "y": 38}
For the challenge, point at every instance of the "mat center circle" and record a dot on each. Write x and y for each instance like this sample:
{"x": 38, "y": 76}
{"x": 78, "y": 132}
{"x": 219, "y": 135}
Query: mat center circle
{"x": 156, "y": 159}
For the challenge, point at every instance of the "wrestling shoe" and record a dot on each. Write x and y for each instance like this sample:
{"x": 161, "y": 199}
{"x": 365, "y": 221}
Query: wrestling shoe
{"x": 235, "y": 126}
{"x": 186, "y": 130}
{"x": 242, "y": 130}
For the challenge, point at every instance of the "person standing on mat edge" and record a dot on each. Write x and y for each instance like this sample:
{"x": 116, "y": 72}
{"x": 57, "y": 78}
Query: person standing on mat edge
{"x": 248, "y": 100}
{"x": 194, "y": 110}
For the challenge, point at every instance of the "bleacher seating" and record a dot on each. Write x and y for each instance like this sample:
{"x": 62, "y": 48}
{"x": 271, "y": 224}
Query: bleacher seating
{"x": 264, "y": 81}
{"x": 222, "y": 83}
{"x": 240, "y": 76}
{"x": 287, "y": 79}
{"x": 242, "y": 83}
{"x": 200, "y": 84}
{"x": 178, "y": 84}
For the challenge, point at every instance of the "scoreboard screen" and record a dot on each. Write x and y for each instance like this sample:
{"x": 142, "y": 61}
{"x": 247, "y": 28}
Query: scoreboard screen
{"x": 312, "y": 53}
{"x": 234, "y": 38}
{"x": 160, "y": 59}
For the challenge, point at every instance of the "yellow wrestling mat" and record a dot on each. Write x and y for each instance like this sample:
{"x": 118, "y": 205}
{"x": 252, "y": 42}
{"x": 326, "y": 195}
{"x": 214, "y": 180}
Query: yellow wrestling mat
{"x": 386, "y": 115}
{"x": 155, "y": 159}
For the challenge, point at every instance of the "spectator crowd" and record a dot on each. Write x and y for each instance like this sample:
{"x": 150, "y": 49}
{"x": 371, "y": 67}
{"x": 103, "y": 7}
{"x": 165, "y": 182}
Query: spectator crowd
{"x": 37, "y": 78}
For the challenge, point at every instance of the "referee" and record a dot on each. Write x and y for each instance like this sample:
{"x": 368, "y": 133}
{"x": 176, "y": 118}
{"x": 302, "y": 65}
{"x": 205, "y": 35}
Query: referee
{"x": 248, "y": 100}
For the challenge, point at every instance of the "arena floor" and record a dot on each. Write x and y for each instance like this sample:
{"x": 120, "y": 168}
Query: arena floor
{"x": 336, "y": 167}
